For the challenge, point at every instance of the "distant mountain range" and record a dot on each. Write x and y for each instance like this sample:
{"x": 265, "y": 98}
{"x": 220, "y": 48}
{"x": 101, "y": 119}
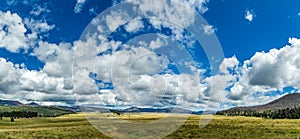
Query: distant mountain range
{"x": 158, "y": 110}
{"x": 10, "y": 103}
{"x": 136, "y": 110}
{"x": 45, "y": 111}
{"x": 103, "y": 109}
{"x": 287, "y": 101}
{"x": 16, "y": 103}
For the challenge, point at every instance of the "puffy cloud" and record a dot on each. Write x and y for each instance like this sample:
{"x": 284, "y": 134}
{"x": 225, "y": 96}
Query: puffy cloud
{"x": 38, "y": 26}
{"x": 209, "y": 29}
{"x": 229, "y": 64}
{"x": 277, "y": 68}
{"x": 249, "y": 15}
{"x": 159, "y": 90}
{"x": 79, "y": 5}
{"x": 25, "y": 85}
{"x": 18, "y": 33}
{"x": 198, "y": 5}
{"x": 12, "y": 35}
{"x": 158, "y": 43}
{"x": 58, "y": 61}
{"x": 134, "y": 26}
{"x": 179, "y": 14}
{"x": 265, "y": 72}
{"x": 116, "y": 19}
{"x": 123, "y": 63}
{"x": 8, "y": 76}
{"x": 57, "y": 58}
{"x": 137, "y": 74}
{"x": 37, "y": 10}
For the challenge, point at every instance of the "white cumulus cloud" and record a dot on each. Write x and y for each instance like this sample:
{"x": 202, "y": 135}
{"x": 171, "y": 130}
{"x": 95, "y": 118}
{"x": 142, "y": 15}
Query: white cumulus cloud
{"x": 265, "y": 72}
{"x": 209, "y": 29}
{"x": 79, "y": 5}
{"x": 134, "y": 26}
{"x": 12, "y": 35}
{"x": 249, "y": 15}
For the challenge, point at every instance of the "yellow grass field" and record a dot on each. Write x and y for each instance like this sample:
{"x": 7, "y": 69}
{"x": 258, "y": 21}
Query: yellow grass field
{"x": 76, "y": 126}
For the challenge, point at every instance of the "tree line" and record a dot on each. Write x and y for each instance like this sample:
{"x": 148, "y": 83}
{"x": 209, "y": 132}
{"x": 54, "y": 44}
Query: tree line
{"x": 288, "y": 113}
{"x": 19, "y": 114}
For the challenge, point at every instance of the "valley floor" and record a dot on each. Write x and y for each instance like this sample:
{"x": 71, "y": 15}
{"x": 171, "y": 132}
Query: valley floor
{"x": 76, "y": 126}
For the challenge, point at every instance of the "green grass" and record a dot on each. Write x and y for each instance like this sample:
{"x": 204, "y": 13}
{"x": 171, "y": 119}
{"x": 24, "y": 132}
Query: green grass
{"x": 76, "y": 126}
{"x": 239, "y": 127}
{"x": 67, "y": 126}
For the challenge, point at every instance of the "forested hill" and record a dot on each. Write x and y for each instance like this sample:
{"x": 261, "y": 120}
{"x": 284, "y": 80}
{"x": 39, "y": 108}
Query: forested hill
{"x": 44, "y": 111}
{"x": 287, "y": 106}
{"x": 10, "y": 106}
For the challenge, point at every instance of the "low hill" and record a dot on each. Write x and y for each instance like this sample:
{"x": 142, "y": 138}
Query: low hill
{"x": 287, "y": 106}
{"x": 10, "y": 103}
{"x": 32, "y": 104}
{"x": 45, "y": 111}
{"x": 287, "y": 101}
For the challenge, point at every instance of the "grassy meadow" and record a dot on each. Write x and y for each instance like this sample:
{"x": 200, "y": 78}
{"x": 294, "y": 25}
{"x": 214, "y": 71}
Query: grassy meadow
{"x": 76, "y": 126}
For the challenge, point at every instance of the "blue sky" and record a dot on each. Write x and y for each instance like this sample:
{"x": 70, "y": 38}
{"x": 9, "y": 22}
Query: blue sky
{"x": 257, "y": 38}
{"x": 273, "y": 24}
